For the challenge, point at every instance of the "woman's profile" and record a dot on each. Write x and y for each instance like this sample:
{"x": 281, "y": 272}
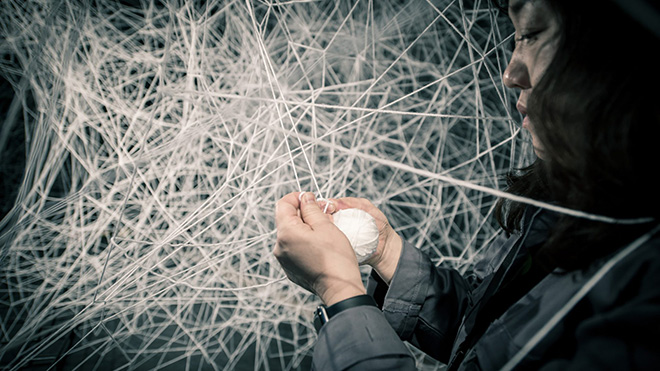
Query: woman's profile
{"x": 556, "y": 290}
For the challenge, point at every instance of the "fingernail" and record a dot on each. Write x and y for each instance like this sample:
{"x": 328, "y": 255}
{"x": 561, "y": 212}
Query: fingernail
{"x": 308, "y": 197}
{"x": 329, "y": 207}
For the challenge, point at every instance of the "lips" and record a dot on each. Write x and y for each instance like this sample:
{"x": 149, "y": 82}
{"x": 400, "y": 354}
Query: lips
{"x": 523, "y": 111}
{"x": 525, "y": 123}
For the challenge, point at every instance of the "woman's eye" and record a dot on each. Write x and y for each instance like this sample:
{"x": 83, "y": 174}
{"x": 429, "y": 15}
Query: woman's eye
{"x": 528, "y": 36}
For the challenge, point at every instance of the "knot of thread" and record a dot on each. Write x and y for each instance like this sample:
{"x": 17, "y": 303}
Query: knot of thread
{"x": 361, "y": 230}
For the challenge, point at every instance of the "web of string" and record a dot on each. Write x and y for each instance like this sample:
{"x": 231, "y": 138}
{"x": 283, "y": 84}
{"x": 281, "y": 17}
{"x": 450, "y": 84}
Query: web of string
{"x": 155, "y": 227}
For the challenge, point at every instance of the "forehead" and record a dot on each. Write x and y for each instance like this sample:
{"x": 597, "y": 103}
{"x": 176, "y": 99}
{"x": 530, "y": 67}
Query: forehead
{"x": 516, "y": 6}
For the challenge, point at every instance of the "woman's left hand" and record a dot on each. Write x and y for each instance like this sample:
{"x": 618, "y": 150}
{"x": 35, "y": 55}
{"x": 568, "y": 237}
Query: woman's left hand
{"x": 313, "y": 252}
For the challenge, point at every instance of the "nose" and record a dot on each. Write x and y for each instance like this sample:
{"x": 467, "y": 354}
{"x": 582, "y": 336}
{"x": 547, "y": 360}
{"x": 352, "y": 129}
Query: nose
{"x": 516, "y": 74}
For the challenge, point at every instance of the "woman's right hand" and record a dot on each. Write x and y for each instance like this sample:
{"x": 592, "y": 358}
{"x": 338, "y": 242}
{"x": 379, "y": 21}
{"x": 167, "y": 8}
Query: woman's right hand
{"x": 387, "y": 254}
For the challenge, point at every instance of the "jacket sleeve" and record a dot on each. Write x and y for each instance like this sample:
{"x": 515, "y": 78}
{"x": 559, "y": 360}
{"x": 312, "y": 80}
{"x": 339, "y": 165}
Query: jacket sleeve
{"x": 360, "y": 338}
{"x": 424, "y": 304}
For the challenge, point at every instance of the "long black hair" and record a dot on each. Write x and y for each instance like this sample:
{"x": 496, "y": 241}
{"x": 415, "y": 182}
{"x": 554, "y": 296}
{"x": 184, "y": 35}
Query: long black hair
{"x": 597, "y": 113}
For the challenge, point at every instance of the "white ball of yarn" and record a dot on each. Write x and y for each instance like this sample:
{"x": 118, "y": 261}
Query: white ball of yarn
{"x": 361, "y": 230}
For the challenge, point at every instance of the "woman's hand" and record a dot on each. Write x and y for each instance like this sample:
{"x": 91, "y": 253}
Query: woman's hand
{"x": 313, "y": 252}
{"x": 386, "y": 258}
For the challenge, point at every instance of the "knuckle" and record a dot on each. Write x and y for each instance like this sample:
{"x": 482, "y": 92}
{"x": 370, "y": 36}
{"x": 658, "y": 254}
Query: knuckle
{"x": 283, "y": 232}
{"x": 277, "y": 251}
{"x": 283, "y": 237}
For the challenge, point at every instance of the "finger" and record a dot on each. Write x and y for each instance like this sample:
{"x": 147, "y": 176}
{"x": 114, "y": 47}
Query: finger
{"x": 354, "y": 203}
{"x": 360, "y": 203}
{"x": 311, "y": 213}
{"x": 286, "y": 210}
{"x": 327, "y": 205}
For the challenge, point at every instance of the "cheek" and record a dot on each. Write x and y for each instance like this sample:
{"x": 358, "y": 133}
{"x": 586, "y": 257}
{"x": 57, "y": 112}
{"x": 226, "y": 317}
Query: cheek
{"x": 536, "y": 142}
{"x": 529, "y": 126}
{"x": 542, "y": 60}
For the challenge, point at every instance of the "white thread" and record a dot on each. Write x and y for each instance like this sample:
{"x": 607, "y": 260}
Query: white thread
{"x": 361, "y": 230}
{"x": 230, "y": 99}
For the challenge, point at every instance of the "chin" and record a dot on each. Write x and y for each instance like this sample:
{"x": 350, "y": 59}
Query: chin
{"x": 539, "y": 153}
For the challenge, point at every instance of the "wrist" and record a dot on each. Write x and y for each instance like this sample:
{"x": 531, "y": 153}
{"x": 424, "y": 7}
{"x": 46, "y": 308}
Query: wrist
{"x": 386, "y": 265}
{"x": 323, "y": 313}
{"x": 331, "y": 297}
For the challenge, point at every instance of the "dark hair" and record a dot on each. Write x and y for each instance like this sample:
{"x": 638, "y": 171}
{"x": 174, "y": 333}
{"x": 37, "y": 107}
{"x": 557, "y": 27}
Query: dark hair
{"x": 597, "y": 115}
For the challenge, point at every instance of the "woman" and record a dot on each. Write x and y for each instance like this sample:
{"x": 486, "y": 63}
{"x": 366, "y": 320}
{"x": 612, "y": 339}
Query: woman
{"x": 555, "y": 291}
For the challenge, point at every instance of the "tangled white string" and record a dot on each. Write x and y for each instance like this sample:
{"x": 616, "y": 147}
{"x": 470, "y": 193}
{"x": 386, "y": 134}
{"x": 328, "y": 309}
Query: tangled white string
{"x": 161, "y": 135}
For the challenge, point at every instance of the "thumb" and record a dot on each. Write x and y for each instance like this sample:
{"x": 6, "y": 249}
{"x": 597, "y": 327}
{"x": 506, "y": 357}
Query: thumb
{"x": 311, "y": 212}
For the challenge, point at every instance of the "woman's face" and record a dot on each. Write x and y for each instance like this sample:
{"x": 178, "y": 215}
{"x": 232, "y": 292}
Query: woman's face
{"x": 537, "y": 30}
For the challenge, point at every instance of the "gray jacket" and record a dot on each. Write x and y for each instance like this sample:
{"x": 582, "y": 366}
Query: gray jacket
{"x": 605, "y": 317}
